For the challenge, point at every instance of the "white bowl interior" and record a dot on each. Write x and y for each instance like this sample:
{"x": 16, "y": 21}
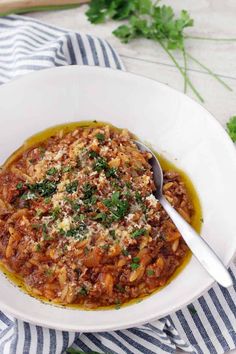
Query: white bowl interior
{"x": 174, "y": 124}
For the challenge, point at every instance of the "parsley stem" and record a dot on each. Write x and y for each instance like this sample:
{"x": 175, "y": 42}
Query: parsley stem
{"x": 185, "y": 70}
{"x": 181, "y": 71}
{"x": 211, "y": 38}
{"x": 210, "y": 72}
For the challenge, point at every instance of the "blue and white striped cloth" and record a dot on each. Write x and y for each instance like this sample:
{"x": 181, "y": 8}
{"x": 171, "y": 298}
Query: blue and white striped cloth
{"x": 206, "y": 326}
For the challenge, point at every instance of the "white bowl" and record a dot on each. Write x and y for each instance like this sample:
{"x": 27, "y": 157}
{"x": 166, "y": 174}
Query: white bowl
{"x": 174, "y": 124}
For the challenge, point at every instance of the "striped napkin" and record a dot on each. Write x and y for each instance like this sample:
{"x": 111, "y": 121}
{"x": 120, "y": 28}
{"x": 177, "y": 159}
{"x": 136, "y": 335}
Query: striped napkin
{"x": 206, "y": 326}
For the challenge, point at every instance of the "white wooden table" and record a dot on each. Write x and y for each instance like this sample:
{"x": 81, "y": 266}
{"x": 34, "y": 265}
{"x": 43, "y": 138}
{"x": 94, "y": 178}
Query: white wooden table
{"x": 213, "y": 18}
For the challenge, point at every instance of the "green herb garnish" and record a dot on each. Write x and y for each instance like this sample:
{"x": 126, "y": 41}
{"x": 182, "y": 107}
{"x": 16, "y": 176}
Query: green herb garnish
{"x": 83, "y": 291}
{"x": 118, "y": 304}
{"x": 100, "y": 217}
{"x": 100, "y": 137}
{"x": 19, "y": 185}
{"x": 231, "y": 128}
{"x": 66, "y": 169}
{"x": 120, "y": 288}
{"x": 55, "y": 213}
{"x": 37, "y": 247}
{"x": 134, "y": 266}
{"x": 52, "y": 171}
{"x": 93, "y": 154}
{"x": 77, "y": 232}
{"x": 135, "y": 263}
{"x": 45, "y": 188}
{"x": 76, "y": 351}
{"x": 192, "y": 310}
{"x": 138, "y": 197}
{"x": 28, "y": 196}
{"x": 72, "y": 187}
{"x": 125, "y": 252}
{"x": 100, "y": 164}
{"x": 112, "y": 233}
{"x": 150, "y": 272}
{"x": 47, "y": 200}
{"x": 152, "y": 21}
{"x": 88, "y": 191}
{"x": 138, "y": 233}
{"x": 117, "y": 206}
{"x": 111, "y": 172}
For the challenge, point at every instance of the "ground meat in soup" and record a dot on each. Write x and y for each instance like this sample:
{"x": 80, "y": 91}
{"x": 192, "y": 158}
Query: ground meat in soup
{"x": 80, "y": 223}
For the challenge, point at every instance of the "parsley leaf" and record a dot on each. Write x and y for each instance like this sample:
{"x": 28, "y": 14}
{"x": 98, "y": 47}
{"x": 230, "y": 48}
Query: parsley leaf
{"x": 150, "y": 20}
{"x": 138, "y": 233}
{"x": 45, "y": 188}
{"x": 117, "y": 206}
{"x": 231, "y": 128}
{"x": 100, "y": 164}
{"x": 100, "y": 10}
{"x": 72, "y": 187}
{"x": 100, "y": 137}
{"x": 192, "y": 310}
{"x": 83, "y": 291}
{"x": 52, "y": 171}
{"x": 19, "y": 185}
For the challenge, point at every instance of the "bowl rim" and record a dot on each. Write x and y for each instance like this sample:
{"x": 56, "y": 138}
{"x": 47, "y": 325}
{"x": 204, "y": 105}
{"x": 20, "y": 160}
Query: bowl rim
{"x": 132, "y": 322}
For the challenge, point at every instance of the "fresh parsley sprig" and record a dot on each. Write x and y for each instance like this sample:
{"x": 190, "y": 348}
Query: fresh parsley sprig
{"x": 152, "y": 21}
{"x": 231, "y": 128}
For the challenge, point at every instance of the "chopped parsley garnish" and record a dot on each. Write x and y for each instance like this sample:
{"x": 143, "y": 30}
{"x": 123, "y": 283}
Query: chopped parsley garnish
{"x": 138, "y": 233}
{"x": 77, "y": 232}
{"x": 93, "y": 154}
{"x": 28, "y": 196}
{"x": 120, "y": 288}
{"x": 48, "y": 272}
{"x": 112, "y": 233}
{"x": 47, "y": 200}
{"x": 19, "y": 185}
{"x": 39, "y": 212}
{"x": 135, "y": 263}
{"x": 118, "y": 303}
{"x": 83, "y": 291}
{"x": 37, "y": 247}
{"x": 88, "y": 191}
{"x": 72, "y": 187}
{"x": 117, "y": 206}
{"x": 52, "y": 171}
{"x": 111, "y": 172}
{"x": 45, "y": 188}
{"x": 138, "y": 197}
{"x": 150, "y": 272}
{"x": 231, "y": 128}
{"x": 125, "y": 252}
{"x": 100, "y": 217}
{"x": 55, "y": 213}
{"x": 128, "y": 184}
{"x": 100, "y": 164}
{"x": 134, "y": 266}
{"x": 66, "y": 169}
{"x": 105, "y": 247}
{"x": 192, "y": 310}
{"x": 75, "y": 204}
{"x": 100, "y": 137}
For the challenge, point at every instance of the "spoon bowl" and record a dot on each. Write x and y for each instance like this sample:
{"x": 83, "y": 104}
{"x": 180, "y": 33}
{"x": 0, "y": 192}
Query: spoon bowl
{"x": 199, "y": 247}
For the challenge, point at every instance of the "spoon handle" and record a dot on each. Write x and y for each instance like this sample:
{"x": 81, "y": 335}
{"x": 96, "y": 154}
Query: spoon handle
{"x": 201, "y": 250}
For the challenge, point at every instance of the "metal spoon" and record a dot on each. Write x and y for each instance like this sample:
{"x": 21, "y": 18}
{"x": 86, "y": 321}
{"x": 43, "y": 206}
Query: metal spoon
{"x": 201, "y": 250}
